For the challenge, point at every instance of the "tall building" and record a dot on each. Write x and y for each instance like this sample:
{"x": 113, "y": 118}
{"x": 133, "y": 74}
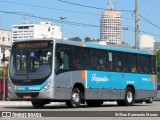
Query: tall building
{"x": 111, "y": 26}
{"x": 147, "y": 42}
{"x": 5, "y": 44}
{"x": 32, "y": 31}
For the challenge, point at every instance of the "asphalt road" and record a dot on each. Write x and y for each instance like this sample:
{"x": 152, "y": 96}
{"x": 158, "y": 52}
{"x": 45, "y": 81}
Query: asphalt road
{"x": 109, "y": 110}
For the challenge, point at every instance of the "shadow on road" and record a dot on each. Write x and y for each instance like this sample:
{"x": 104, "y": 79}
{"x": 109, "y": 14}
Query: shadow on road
{"x": 56, "y": 107}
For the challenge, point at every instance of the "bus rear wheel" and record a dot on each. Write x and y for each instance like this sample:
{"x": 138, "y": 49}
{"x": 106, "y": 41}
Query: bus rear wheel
{"x": 38, "y": 104}
{"x": 75, "y": 99}
{"x": 128, "y": 99}
{"x": 150, "y": 100}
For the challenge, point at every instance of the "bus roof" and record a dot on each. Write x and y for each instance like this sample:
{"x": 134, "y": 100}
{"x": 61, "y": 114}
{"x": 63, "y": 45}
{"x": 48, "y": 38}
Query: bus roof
{"x": 113, "y": 47}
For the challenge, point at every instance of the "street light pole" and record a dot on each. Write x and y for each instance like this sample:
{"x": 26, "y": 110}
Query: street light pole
{"x": 62, "y": 18}
{"x": 125, "y": 34}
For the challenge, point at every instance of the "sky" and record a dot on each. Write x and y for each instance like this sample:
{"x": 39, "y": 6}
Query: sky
{"x": 12, "y": 12}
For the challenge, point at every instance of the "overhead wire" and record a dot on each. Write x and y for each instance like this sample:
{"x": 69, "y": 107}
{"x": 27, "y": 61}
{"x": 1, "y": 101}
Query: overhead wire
{"x": 106, "y": 9}
{"x": 65, "y": 22}
{"x": 50, "y": 8}
{"x": 68, "y": 22}
{"x": 50, "y": 19}
{"x": 92, "y": 7}
{"x": 149, "y": 10}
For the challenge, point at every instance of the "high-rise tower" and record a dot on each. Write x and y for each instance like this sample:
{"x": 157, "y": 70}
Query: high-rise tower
{"x": 111, "y": 26}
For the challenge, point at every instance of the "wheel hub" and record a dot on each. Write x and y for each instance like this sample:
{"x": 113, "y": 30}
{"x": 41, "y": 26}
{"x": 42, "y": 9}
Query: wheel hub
{"x": 129, "y": 97}
{"x": 75, "y": 97}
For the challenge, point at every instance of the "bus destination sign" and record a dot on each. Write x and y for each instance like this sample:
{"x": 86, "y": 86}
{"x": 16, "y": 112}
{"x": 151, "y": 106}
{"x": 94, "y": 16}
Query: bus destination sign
{"x": 32, "y": 45}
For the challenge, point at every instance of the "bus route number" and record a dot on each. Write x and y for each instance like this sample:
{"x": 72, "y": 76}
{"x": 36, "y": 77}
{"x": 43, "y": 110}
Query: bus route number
{"x": 130, "y": 82}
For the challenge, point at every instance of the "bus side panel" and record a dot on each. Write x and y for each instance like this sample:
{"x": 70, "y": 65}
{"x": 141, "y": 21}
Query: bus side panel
{"x": 62, "y": 86}
{"x": 111, "y": 94}
{"x": 79, "y": 77}
{"x": 112, "y": 85}
{"x": 91, "y": 94}
{"x": 141, "y": 94}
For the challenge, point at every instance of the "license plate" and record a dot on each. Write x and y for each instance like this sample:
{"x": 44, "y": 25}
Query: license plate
{"x": 27, "y": 97}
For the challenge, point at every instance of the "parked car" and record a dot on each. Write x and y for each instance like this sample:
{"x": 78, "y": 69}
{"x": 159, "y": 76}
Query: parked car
{"x": 158, "y": 94}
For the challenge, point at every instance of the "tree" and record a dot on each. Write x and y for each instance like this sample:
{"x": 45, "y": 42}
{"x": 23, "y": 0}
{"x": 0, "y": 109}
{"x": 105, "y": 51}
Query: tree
{"x": 158, "y": 64}
{"x": 76, "y": 39}
{"x": 87, "y": 39}
{"x": 2, "y": 72}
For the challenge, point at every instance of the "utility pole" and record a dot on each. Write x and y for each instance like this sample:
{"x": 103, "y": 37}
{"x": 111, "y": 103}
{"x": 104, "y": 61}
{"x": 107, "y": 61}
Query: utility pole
{"x": 62, "y": 18}
{"x": 4, "y": 76}
{"x": 136, "y": 24}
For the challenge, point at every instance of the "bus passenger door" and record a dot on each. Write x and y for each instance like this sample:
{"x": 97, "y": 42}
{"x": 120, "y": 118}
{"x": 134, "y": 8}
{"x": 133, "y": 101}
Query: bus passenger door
{"x": 63, "y": 73}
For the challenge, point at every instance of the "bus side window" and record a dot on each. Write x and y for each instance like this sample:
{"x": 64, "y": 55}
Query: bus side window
{"x": 144, "y": 64}
{"x": 62, "y": 57}
{"x": 94, "y": 59}
{"x": 102, "y": 60}
{"x": 111, "y": 61}
{"x": 63, "y": 60}
{"x": 153, "y": 64}
{"x": 81, "y": 58}
{"x": 118, "y": 58}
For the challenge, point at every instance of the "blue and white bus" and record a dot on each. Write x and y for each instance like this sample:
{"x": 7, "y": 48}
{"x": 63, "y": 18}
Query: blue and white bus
{"x": 44, "y": 71}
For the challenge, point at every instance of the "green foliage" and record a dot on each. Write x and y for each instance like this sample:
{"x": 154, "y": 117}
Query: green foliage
{"x": 2, "y": 71}
{"x": 158, "y": 64}
{"x": 87, "y": 39}
{"x": 76, "y": 39}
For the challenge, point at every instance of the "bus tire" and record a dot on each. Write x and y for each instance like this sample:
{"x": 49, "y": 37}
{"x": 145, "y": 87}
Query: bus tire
{"x": 38, "y": 104}
{"x": 129, "y": 97}
{"x": 75, "y": 99}
{"x": 150, "y": 100}
{"x": 94, "y": 103}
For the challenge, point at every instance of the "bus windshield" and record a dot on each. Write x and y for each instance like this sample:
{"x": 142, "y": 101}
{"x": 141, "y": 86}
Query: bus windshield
{"x": 30, "y": 63}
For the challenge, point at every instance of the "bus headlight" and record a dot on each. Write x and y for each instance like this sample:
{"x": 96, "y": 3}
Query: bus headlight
{"x": 46, "y": 87}
{"x": 10, "y": 87}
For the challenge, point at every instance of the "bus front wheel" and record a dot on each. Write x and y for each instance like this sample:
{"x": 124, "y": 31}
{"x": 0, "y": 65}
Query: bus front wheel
{"x": 75, "y": 99}
{"x": 38, "y": 104}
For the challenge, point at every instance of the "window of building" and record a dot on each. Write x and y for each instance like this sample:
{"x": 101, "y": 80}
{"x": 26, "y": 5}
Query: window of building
{"x": 3, "y": 39}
